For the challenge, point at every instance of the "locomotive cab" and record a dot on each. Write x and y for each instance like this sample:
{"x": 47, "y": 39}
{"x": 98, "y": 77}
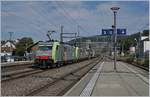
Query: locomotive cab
{"x": 45, "y": 55}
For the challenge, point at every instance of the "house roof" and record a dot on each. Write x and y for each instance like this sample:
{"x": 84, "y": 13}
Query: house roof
{"x": 147, "y": 39}
{"x": 4, "y": 42}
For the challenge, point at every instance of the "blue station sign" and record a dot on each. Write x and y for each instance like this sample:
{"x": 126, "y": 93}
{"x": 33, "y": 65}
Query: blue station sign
{"x": 121, "y": 32}
{"x": 110, "y": 31}
{"x": 107, "y": 31}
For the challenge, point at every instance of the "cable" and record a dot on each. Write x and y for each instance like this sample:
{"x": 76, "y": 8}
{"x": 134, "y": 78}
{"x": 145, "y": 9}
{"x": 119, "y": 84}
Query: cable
{"x": 74, "y": 21}
{"x": 45, "y": 15}
{"x": 30, "y": 22}
{"x": 62, "y": 13}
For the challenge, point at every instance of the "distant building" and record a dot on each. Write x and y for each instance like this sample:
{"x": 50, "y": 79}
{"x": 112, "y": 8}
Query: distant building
{"x": 16, "y": 41}
{"x": 132, "y": 50}
{"x": 7, "y": 47}
{"x": 143, "y": 47}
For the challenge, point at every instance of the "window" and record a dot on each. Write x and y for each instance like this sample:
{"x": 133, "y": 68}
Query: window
{"x": 45, "y": 48}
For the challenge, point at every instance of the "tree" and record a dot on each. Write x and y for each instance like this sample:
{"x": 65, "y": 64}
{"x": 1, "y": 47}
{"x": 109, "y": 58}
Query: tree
{"x": 145, "y": 33}
{"x": 22, "y": 45}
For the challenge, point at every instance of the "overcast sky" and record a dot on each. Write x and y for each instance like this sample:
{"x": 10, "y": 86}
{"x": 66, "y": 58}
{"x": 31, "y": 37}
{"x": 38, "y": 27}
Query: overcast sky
{"x": 34, "y": 19}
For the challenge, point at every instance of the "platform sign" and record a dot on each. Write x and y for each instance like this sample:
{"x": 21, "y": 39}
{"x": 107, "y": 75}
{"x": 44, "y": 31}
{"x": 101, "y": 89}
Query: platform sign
{"x": 121, "y": 32}
{"x": 107, "y": 31}
{"x": 110, "y": 31}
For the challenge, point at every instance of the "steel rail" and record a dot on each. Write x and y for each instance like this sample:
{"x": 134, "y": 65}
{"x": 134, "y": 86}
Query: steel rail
{"x": 43, "y": 87}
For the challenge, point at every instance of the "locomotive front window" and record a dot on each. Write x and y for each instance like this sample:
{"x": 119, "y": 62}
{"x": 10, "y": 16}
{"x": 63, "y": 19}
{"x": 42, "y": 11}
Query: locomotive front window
{"x": 45, "y": 48}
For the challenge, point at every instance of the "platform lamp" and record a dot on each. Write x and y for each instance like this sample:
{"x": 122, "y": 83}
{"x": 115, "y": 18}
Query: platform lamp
{"x": 115, "y": 9}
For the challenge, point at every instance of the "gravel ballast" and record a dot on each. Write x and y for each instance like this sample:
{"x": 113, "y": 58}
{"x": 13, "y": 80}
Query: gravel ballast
{"x": 23, "y": 86}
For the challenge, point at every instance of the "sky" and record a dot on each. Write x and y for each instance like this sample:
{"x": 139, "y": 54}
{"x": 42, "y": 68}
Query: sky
{"x": 35, "y": 18}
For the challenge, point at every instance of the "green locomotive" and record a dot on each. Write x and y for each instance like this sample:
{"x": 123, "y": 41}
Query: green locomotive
{"x": 51, "y": 54}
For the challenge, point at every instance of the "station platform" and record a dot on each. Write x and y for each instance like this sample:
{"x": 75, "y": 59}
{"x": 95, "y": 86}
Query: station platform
{"x": 103, "y": 80}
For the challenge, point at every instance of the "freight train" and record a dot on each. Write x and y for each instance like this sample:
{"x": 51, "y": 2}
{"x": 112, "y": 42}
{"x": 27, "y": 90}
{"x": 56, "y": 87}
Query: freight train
{"x": 50, "y": 54}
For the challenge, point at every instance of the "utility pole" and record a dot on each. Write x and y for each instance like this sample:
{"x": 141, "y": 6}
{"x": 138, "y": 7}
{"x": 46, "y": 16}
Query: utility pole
{"x": 65, "y": 35}
{"x": 78, "y": 34}
{"x": 139, "y": 45}
{"x": 78, "y": 30}
{"x": 136, "y": 49}
{"x": 115, "y": 9}
{"x": 61, "y": 34}
{"x": 10, "y": 35}
{"x": 75, "y": 39}
{"x": 10, "y": 39}
{"x": 111, "y": 44}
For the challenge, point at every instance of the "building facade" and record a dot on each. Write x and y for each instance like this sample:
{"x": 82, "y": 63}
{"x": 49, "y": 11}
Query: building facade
{"x": 7, "y": 47}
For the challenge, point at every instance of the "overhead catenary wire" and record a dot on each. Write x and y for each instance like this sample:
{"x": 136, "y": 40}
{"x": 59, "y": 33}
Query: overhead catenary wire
{"x": 70, "y": 17}
{"x": 25, "y": 20}
{"x": 46, "y": 14}
{"x": 67, "y": 20}
{"x": 45, "y": 21}
{"x": 34, "y": 12}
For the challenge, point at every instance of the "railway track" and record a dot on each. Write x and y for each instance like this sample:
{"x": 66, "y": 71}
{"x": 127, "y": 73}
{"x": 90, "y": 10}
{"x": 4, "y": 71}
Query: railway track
{"x": 26, "y": 84}
{"x": 62, "y": 84}
{"x": 16, "y": 75}
{"x": 12, "y": 74}
{"x": 5, "y": 67}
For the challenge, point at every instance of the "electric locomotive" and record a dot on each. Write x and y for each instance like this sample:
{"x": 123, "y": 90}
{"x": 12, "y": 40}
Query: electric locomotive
{"x": 50, "y": 54}
{"x": 46, "y": 54}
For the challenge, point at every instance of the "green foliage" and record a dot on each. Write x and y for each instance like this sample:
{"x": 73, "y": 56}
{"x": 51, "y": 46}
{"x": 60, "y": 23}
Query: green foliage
{"x": 97, "y": 38}
{"x": 131, "y": 40}
{"x": 22, "y": 45}
{"x": 145, "y": 33}
{"x": 130, "y": 60}
{"x": 140, "y": 61}
{"x": 123, "y": 41}
{"x": 146, "y": 62}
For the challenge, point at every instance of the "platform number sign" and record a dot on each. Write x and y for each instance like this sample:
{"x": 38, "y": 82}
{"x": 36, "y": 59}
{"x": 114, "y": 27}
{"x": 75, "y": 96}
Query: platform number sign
{"x": 110, "y": 31}
{"x": 121, "y": 32}
{"x": 107, "y": 31}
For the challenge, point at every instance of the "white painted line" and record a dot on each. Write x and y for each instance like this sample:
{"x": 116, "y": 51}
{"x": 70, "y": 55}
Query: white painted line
{"x": 138, "y": 74}
{"x": 90, "y": 86}
{"x": 66, "y": 94}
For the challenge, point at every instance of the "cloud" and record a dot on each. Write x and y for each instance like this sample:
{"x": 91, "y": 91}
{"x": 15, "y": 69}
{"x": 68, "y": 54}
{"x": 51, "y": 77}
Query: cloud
{"x": 107, "y": 5}
{"x": 39, "y": 17}
{"x": 7, "y": 13}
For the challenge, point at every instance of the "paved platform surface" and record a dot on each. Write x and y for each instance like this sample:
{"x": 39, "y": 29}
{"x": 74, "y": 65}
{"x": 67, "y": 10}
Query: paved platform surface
{"x": 102, "y": 80}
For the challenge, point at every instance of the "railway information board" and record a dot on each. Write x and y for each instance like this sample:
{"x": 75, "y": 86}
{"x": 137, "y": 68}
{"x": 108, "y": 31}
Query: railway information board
{"x": 110, "y": 32}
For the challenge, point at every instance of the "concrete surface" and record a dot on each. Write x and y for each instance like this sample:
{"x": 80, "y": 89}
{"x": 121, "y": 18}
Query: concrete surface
{"x": 126, "y": 81}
